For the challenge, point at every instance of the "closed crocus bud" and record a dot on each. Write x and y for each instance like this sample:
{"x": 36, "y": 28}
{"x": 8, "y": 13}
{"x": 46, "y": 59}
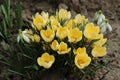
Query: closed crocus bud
{"x": 36, "y": 38}
{"x": 45, "y": 16}
{"x": 55, "y": 45}
{"x": 54, "y": 23}
{"x": 79, "y": 19}
{"x": 64, "y": 14}
{"x": 69, "y": 24}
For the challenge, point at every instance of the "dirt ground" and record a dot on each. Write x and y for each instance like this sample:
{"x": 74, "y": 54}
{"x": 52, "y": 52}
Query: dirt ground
{"x": 111, "y": 9}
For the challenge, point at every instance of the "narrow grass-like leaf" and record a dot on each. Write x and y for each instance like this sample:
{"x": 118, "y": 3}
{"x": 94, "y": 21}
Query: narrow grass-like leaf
{"x": 27, "y": 56}
{"x": 15, "y": 72}
{"x": 18, "y": 14}
{"x": 8, "y": 18}
{"x": 3, "y": 30}
{"x": 1, "y": 35}
{"x": 3, "y": 62}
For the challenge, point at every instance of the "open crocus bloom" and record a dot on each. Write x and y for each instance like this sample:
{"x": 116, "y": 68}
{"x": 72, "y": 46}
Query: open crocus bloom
{"x": 64, "y": 14}
{"x": 48, "y": 35}
{"x": 99, "y": 51}
{"x": 55, "y": 45}
{"x": 46, "y": 60}
{"x": 61, "y": 32}
{"x": 82, "y": 60}
{"x": 63, "y": 48}
{"x": 91, "y": 32}
{"x": 74, "y": 35}
{"x": 80, "y": 51}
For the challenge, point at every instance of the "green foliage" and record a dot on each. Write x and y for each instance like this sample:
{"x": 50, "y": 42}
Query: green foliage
{"x": 5, "y": 10}
{"x": 6, "y": 20}
{"x": 3, "y": 30}
{"x": 18, "y": 14}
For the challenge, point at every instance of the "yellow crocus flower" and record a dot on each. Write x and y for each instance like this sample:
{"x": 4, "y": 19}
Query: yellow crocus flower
{"x": 64, "y": 14}
{"x": 99, "y": 51}
{"x": 74, "y": 35}
{"x": 36, "y": 38}
{"x": 91, "y": 32}
{"x": 45, "y": 16}
{"x": 80, "y": 51}
{"x": 61, "y": 32}
{"x": 38, "y": 21}
{"x": 54, "y": 23}
{"x": 63, "y": 48}
{"x": 55, "y": 45}
{"x": 82, "y": 60}
{"x": 69, "y": 24}
{"x": 48, "y": 35}
{"x": 46, "y": 60}
{"x": 100, "y": 42}
{"x": 79, "y": 19}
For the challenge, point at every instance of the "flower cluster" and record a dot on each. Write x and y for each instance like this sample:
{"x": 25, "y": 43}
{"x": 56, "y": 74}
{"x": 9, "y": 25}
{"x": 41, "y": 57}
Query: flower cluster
{"x": 60, "y": 34}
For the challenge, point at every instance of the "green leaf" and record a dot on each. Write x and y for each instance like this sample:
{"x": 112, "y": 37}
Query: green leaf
{"x": 3, "y": 62}
{"x": 3, "y": 30}
{"x": 27, "y": 56}
{"x": 2, "y": 35}
{"x": 15, "y": 72}
{"x": 36, "y": 67}
{"x": 18, "y": 14}
{"x": 6, "y": 5}
{"x": 5, "y": 14}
